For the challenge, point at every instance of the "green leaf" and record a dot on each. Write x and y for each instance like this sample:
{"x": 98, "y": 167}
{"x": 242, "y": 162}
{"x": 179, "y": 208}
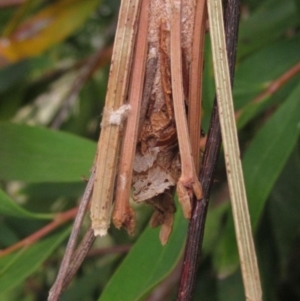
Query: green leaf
{"x": 147, "y": 264}
{"x": 13, "y": 74}
{"x": 40, "y": 196}
{"x": 214, "y": 226}
{"x": 34, "y": 154}
{"x": 10, "y": 208}
{"x": 85, "y": 285}
{"x": 284, "y": 209}
{"x": 7, "y": 234}
{"x": 269, "y": 151}
{"x": 262, "y": 163}
{"x": 256, "y": 32}
{"x": 17, "y": 267}
{"x": 23, "y": 71}
{"x": 267, "y": 256}
{"x": 231, "y": 288}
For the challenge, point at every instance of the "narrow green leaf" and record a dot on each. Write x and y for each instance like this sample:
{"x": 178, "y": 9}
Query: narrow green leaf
{"x": 34, "y": 154}
{"x": 263, "y": 163}
{"x": 147, "y": 264}
{"x": 17, "y": 267}
{"x": 268, "y": 153}
{"x": 10, "y": 208}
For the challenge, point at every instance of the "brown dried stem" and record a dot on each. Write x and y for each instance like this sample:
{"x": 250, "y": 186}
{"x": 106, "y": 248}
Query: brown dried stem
{"x": 197, "y": 223}
{"x": 211, "y": 153}
{"x": 56, "y": 289}
{"x": 78, "y": 257}
{"x": 188, "y": 182}
{"x": 83, "y": 251}
{"x": 123, "y": 214}
{"x": 114, "y": 113}
{"x": 195, "y": 81}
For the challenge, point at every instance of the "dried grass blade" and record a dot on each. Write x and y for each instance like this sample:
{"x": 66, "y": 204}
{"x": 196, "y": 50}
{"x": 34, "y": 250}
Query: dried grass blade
{"x": 114, "y": 113}
{"x": 123, "y": 214}
{"x": 188, "y": 181}
{"x": 195, "y": 82}
{"x": 235, "y": 177}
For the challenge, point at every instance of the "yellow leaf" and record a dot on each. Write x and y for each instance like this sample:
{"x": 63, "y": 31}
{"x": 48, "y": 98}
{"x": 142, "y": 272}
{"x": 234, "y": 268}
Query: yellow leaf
{"x": 46, "y": 28}
{"x": 19, "y": 16}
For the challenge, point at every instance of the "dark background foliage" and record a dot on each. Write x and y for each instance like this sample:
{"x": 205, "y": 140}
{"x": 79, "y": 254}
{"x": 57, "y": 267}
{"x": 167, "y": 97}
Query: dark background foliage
{"x": 53, "y": 78}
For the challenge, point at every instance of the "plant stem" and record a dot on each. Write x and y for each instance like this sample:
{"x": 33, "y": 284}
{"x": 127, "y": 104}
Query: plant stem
{"x": 195, "y": 80}
{"x": 123, "y": 214}
{"x": 83, "y": 251}
{"x": 56, "y": 289}
{"x": 197, "y": 223}
{"x": 59, "y": 219}
{"x": 114, "y": 115}
{"x": 78, "y": 257}
{"x": 272, "y": 88}
{"x": 188, "y": 182}
{"x": 239, "y": 203}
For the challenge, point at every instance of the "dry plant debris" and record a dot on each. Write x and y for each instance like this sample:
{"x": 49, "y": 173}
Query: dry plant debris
{"x": 156, "y": 154}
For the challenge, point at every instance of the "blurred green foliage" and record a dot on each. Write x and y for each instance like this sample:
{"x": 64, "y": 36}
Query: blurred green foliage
{"x": 50, "y": 111}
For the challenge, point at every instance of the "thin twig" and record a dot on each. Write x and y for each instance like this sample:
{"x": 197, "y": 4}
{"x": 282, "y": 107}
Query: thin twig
{"x": 273, "y": 87}
{"x": 83, "y": 251}
{"x": 56, "y": 289}
{"x": 188, "y": 183}
{"x": 59, "y": 219}
{"x": 78, "y": 257}
{"x": 197, "y": 222}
